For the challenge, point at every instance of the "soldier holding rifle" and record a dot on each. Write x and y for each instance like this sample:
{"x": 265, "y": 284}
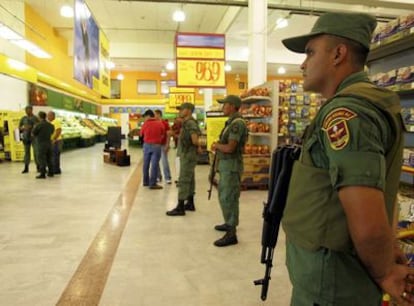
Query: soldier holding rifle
{"x": 341, "y": 200}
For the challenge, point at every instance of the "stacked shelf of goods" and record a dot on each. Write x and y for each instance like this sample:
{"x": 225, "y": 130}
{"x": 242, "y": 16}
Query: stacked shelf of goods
{"x": 257, "y": 110}
{"x": 391, "y": 65}
{"x": 296, "y": 110}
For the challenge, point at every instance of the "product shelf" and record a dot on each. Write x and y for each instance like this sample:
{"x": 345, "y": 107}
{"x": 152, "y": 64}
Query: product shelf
{"x": 408, "y": 169}
{"x": 253, "y": 99}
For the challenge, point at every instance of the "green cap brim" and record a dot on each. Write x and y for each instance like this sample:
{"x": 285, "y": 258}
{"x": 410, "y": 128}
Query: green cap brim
{"x": 298, "y": 43}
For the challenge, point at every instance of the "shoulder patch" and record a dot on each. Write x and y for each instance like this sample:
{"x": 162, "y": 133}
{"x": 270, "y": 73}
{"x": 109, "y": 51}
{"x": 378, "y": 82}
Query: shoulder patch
{"x": 336, "y": 127}
{"x": 235, "y": 128}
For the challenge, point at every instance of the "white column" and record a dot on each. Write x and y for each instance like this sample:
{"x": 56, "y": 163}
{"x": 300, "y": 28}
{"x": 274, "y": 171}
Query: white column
{"x": 257, "y": 73}
{"x": 208, "y": 98}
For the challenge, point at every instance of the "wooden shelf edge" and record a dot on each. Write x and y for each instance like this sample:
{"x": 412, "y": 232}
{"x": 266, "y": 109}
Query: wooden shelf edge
{"x": 408, "y": 169}
{"x": 252, "y": 99}
{"x": 394, "y": 47}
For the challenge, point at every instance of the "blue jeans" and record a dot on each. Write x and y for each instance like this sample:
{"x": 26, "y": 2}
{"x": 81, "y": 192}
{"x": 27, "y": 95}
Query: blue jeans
{"x": 56, "y": 149}
{"x": 165, "y": 166}
{"x": 152, "y": 155}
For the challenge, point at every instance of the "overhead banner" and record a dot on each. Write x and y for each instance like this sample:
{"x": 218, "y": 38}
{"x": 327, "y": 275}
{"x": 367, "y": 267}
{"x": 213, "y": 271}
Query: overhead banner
{"x": 200, "y": 60}
{"x": 105, "y": 79}
{"x": 90, "y": 51}
{"x": 179, "y": 96}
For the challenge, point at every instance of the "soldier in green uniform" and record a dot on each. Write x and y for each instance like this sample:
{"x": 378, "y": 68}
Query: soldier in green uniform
{"x": 26, "y": 125}
{"x": 187, "y": 150}
{"x": 42, "y": 133}
{"x": 339, "y": 212}
{"x": 229, "y": 150}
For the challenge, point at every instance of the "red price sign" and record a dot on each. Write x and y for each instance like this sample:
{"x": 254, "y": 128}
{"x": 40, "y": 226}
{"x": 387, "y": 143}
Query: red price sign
{"x": 201, "y": 73}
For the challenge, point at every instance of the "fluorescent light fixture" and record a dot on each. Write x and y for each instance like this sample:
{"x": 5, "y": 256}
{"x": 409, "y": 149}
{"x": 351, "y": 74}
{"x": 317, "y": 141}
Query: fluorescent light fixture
{"x": 120, "y": 77}
{"x": 200, "y": 92}
{"x": 110, "y": 65}
{"x": 281, "y": 70}
{"x": 227, "y": 67}
{"x": 179, "y": 16}
{"x": 170, "y": 66}
{"x": 7, "y": 33}
{"x": 163, "y": 74}
{"x": 165, "y": 91}
{"x": 16, "y": 64}
{"x": 15, "y": 38}
{"x": 281, "y": 23}
{"x": 66, "y": 11}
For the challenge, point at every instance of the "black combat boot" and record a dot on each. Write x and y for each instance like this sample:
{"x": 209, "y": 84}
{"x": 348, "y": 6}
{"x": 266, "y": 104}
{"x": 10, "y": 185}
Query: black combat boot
{"x": 223, "y": 227}
{"x": 26, "y": 169}
{"x": 229, "y": 238}
{"x": 190, "y": 204}
{"x": 177, "y": 211}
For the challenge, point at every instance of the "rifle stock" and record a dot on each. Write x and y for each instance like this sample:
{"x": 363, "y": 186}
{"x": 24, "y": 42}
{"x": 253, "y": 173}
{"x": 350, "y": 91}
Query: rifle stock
{"x": 283, "y": 159}
{"x": 211, "y": 175}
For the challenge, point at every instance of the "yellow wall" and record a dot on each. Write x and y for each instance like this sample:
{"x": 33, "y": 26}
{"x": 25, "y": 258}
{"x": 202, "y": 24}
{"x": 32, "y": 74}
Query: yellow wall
{"x": 60, "y": 66}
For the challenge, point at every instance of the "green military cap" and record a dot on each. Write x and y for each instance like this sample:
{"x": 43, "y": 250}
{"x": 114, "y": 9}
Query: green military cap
{"x": 231, "y": 99}
{"x": 186, "y": 105}
{"x": 354, "y": 26}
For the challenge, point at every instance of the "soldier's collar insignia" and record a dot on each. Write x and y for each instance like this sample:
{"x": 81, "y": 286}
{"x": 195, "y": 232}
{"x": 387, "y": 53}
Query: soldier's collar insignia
{"x": 336, "y": 127}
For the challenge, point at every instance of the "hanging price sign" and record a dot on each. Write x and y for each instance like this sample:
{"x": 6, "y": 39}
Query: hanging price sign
{"x": 180, "y": 95}
{"x": 200, "y": 60}
{"x": 201, "y": 73}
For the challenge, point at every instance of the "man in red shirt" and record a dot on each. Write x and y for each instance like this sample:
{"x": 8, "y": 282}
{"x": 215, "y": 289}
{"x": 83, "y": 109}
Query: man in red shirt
{"x": 153, "y": 133}
{"x": 164, "y": 151}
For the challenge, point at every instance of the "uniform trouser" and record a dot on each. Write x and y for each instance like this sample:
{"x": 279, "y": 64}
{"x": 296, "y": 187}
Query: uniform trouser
{"x": 44, "y": 157}
{"x": 56, "y": 149}
{"x": 229, "y": 194}
{"x": 152, "y": 155}
{"x": 329, "y": 278}
{"x": 27, "y": 158}
{"x": 186, "y": 180}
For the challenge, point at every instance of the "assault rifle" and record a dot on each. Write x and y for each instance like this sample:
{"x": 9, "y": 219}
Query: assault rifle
{"x": 280, "y": 172}
{"x": 212, "y": 174}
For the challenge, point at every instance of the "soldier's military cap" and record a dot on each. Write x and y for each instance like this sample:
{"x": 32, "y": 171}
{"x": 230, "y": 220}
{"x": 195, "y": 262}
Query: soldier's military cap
{"x": 186, "y": 105}
{"x": 231, "y": 99}
{"x": 354, "y": 26}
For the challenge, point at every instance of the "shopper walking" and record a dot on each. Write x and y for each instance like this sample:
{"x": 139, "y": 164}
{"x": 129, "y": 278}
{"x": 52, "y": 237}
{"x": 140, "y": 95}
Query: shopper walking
{"x": 188, "y": 147}
{"x": 26, "y": 125}
{"x": 42, "y": 132}
{"x": 340, "y": 240}
{"x": 57, "y": 142}
{"x": 229, "y": 150}
{"x": 165, "y": 149}
{"x": 153, "y": 133}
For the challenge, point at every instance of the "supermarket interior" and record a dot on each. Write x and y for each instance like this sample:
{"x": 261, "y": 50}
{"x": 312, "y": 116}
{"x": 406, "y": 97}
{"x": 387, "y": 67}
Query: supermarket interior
{"x": 93, "y": 233}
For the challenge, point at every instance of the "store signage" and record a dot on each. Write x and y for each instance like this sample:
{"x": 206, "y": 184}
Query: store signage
{"x": 200, "y": 60}
{"x": 179, "y": 96}
{"x": 201, "y": 73}
{"x": 104, "y": 71}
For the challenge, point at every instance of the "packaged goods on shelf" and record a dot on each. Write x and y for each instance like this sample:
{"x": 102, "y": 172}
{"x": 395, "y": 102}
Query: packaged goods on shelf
{"x": 406, "y": 205}
{"x": 393, "y": 30}
{"x": 408, "y": 157}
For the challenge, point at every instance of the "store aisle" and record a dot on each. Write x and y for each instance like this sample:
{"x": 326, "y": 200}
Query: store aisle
{"x": 48, "y": 226}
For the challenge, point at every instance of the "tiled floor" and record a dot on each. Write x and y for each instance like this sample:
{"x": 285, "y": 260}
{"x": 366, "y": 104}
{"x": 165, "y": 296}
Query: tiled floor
{"x": 47, "y": 227}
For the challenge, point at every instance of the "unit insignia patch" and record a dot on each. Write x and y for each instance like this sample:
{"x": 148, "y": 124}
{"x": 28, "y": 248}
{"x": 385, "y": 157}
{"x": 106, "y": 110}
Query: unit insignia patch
{"x": 336, "y": 127}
